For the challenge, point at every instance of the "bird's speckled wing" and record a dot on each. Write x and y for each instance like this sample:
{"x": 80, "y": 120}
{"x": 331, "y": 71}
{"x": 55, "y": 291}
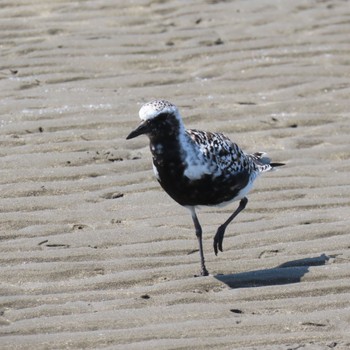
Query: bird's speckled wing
{"x": 220, "y": 152}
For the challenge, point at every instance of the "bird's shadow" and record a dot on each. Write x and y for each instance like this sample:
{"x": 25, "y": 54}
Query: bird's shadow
{"x": 286, "y": 273}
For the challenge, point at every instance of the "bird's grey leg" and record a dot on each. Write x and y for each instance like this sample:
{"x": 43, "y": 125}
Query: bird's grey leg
{"x": 198, "y": 228}
{"x": 219, "y": 237}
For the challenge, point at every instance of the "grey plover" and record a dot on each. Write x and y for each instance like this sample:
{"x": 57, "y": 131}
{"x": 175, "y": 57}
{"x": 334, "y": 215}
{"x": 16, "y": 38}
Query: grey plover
{"x": 198, "y": 168}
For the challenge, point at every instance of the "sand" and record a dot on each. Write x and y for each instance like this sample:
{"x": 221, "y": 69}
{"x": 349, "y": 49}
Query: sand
{"x": 94, "y": 255}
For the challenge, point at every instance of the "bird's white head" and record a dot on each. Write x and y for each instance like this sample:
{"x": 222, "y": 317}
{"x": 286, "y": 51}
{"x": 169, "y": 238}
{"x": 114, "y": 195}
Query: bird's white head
{"x": 154, "y": 108}
{"x": 158, "y": 117}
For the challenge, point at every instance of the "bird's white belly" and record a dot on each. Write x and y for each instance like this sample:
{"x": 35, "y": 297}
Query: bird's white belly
{"x": 155, "y": 171}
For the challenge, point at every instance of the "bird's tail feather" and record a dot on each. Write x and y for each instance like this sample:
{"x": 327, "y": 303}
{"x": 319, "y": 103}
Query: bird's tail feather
{"x": 264, "y": 161}
{"x": 277, "y": 164}
{"x": 262, "y": 158}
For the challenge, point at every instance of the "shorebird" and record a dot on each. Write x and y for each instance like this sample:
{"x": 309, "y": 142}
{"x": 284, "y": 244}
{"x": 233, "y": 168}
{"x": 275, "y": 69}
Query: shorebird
{"x": 198, "y": 168}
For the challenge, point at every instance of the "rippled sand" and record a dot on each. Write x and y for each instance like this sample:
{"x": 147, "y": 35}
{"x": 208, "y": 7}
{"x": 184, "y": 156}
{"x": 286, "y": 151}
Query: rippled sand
{"x": 94, "y": 254}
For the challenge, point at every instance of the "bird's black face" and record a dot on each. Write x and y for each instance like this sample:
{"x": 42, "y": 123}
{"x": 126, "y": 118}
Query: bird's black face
{"x": 164, "y": 125}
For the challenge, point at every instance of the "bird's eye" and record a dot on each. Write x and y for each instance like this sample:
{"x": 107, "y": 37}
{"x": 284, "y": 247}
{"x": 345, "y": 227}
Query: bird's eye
{"x": 162, "y": 117}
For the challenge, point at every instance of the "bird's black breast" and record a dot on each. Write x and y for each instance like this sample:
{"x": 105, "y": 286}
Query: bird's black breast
{"x": 207, "y": 190}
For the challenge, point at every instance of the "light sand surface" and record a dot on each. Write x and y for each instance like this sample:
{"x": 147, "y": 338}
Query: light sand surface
{"x": 93, "y": 254}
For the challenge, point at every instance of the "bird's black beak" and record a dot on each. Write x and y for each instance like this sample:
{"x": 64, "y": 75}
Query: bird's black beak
{"x": 143, "y": 128}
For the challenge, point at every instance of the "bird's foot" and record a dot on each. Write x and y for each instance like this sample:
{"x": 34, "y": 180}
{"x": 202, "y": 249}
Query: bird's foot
{"x": 203, "y": 273}
{"x": 218, "y": 239}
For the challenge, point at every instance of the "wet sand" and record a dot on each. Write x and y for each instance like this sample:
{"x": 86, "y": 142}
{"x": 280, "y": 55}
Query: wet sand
{"x": 94, "y": 255}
